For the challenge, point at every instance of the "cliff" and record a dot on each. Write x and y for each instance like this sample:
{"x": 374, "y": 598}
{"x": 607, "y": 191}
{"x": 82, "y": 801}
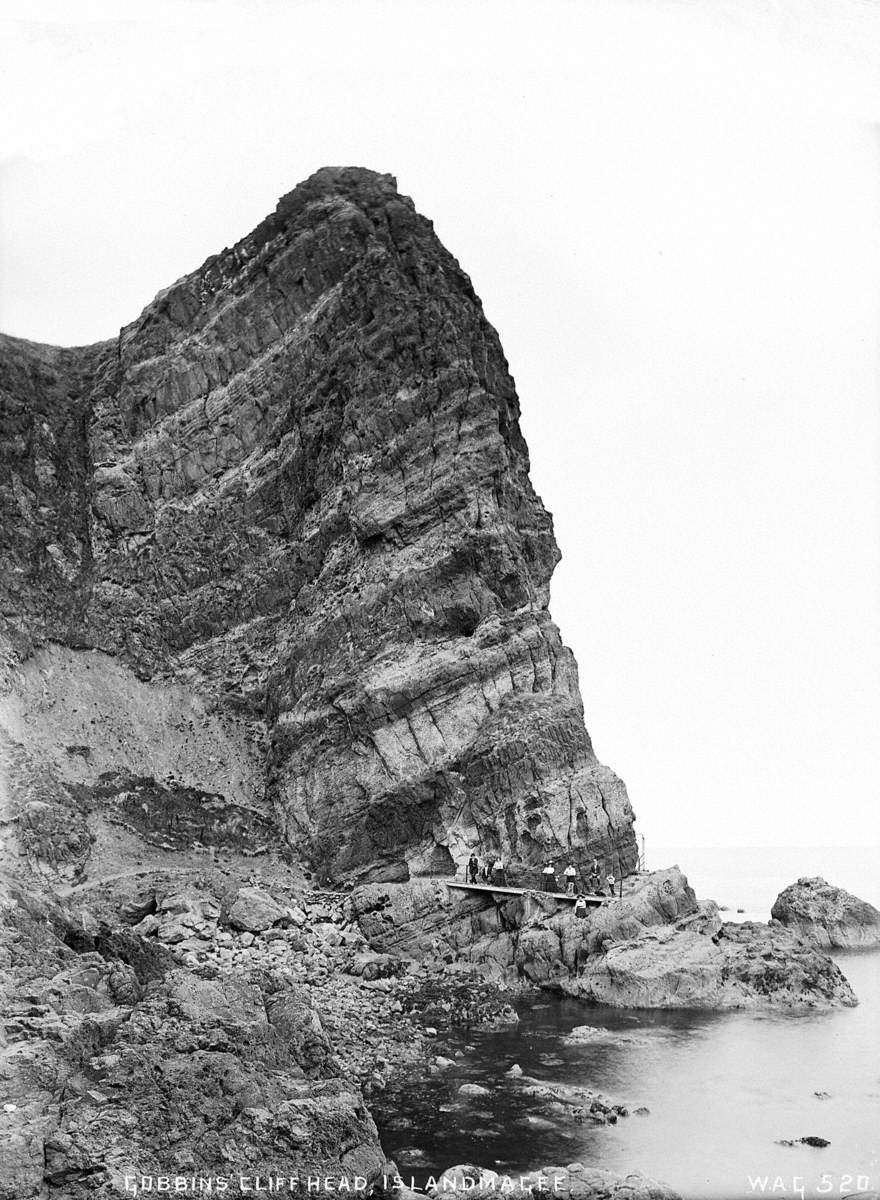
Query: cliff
{"x": 277, "y": 548}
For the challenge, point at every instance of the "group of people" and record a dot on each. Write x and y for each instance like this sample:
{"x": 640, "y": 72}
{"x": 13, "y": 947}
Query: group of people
{"x": 492, "y": 871}
{"x": 570, "y": 877}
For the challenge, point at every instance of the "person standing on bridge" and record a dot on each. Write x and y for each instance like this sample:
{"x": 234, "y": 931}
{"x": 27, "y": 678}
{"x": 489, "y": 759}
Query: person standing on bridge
{"x": 595, "y": 878}
{"x": 570, "y": 878}
{"x": 610, "y": 880}
{"x": 548, "y": 878}
{"x": 473, "y": 869}
{"x": 498, "y": 877}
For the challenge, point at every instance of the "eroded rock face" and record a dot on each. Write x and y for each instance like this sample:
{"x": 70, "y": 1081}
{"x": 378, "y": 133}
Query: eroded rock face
{"x": 529, "y": 936}
{"x": 657, "y": 947}
{"x": 827, "y": 916}
{"x": 120, "y": 1058}
{"x": 296, "y": 486}
{"x": 686, "y": 966}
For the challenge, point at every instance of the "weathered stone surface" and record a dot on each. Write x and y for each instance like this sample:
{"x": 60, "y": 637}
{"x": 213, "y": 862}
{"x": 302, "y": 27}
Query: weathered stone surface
{"x": 529, "y": 937}
{"x": 296, "y": 486}
{"x": 826, "y": 915}
{"x": 591, "y": 1035}
{"x": 741, "y": 966}
{"x": 113, "y": 1071}
{"x": 656, "y": 948}
{"x": 254, "y": 909}
{"x": 273, "y": 604}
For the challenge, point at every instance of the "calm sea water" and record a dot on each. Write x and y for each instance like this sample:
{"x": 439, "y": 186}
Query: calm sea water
{"x": 722, "y": 1088}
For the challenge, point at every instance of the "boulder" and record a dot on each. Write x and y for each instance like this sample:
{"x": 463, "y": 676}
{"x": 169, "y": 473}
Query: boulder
{"x": 181, "y": 916}
{"x": 297, "y": 1026}
{"x": 254, "y": 910}
{"x": 376, "y": 966}
{"x": 826, "y": 915}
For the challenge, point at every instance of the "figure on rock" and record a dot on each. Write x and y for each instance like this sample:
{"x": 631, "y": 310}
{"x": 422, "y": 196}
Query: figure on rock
{"x": 548, "y": 878}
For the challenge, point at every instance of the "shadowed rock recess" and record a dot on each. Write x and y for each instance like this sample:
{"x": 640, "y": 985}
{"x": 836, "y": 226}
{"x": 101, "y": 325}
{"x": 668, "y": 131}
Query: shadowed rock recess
{"x": 293, "y": 498}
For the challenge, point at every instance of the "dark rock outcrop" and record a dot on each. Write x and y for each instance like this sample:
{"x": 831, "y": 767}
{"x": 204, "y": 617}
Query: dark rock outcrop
{"x": 294, "y": 495}
{"x": 826, "y": 915}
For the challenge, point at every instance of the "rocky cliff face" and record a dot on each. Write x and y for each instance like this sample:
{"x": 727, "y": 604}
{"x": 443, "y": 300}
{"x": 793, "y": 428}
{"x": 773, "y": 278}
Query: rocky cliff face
{"x": 295, "y": 490}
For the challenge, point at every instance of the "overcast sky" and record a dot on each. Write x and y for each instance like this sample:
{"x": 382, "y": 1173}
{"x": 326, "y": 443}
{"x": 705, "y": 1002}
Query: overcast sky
{"x": 670, "y": 210}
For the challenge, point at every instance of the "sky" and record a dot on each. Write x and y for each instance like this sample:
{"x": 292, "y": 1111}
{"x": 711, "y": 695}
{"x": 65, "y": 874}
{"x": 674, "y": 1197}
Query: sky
{"x": 670, "y": 211}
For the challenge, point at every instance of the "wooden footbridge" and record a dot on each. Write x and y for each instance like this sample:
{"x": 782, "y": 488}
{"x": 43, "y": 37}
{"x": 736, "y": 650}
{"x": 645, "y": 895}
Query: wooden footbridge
{"x": 495, "y": 890}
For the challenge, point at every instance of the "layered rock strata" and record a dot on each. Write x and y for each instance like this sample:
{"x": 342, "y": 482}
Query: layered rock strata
{"x": 655, "y": 948}
{"x": 295, "y": 488}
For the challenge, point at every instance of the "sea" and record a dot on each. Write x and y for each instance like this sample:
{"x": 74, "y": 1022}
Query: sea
{"x": 724, "y": 1090}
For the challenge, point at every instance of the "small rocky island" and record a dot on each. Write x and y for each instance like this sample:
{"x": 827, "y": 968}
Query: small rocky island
{"x": 827, "y": 916}
{"x": 275, "y": 658}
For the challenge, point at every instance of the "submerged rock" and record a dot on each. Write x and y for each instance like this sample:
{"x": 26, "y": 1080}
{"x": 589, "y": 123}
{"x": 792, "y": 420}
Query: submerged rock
{"x": 474, "y": 1089}
{"x": 826, "y": 915}
{"x": 588, "y": 1035}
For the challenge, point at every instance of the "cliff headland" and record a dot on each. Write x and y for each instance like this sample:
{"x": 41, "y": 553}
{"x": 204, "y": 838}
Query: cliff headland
{"x": 275, "y": 658}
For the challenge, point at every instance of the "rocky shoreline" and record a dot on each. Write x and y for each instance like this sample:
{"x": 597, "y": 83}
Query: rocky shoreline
{"x": 152, "y": 1027}
{"x": 244, "y": 1031}
{"x": 276, "y": 658}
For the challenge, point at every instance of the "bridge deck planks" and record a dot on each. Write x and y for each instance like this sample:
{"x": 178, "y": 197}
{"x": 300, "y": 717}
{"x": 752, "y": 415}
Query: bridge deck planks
{"x": 595, "y": 901}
